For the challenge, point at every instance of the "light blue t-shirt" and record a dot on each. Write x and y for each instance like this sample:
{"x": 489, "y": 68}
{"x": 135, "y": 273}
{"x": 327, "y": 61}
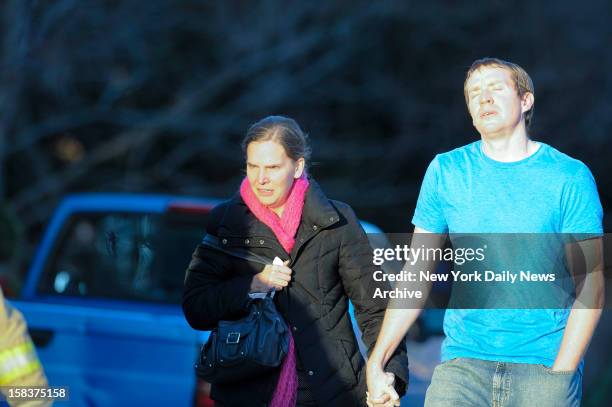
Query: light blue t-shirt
{"x": 465, "y": 191}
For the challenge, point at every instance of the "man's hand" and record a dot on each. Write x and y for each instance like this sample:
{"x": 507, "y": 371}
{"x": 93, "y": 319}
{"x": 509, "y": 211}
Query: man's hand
{"x": 272, "y": 276}
{"x": 381, "y": 390}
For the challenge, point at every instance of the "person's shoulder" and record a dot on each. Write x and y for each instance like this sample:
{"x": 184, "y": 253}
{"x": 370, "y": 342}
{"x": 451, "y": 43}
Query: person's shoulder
{"x": 347, "y": 218}
{"x": 343, "y": 208}
{"x": 563, "y": 163}
{"x": 346, "y": 213}
{"x": 218, "y": 213}
{"x": 458, "y": 157}
{"x": 464, "y": 152}
{"x": 223, "y": 206}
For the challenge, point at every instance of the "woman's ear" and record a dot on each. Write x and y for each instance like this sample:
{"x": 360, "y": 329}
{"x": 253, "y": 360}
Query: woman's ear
{"x": 299, "y": 168}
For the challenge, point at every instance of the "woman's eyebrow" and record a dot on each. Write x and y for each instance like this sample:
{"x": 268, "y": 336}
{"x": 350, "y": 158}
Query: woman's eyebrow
{"x": 267, "y": 165}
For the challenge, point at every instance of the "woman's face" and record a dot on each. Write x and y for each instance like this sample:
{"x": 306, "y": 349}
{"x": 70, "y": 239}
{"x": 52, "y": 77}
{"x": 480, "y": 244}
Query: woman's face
{"x": 271, "y": 173}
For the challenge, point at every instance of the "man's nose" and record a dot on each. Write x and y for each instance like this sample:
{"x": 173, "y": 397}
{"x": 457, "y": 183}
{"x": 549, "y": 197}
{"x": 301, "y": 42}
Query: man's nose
{"x": 486, "y": 97}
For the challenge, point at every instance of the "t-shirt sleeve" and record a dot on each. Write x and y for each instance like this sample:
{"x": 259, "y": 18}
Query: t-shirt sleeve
{"x": 428, "y": 214}
{"x": 581, "y": 208}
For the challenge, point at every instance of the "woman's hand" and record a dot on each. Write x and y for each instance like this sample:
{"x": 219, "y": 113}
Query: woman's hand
{"x": 272, "y": 276}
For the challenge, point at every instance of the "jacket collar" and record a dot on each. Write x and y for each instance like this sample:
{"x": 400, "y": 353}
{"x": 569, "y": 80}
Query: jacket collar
{"x": 318, "y": 213}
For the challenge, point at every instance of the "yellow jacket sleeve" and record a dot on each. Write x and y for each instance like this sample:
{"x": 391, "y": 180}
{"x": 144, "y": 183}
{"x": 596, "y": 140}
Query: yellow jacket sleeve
{"x": 19, "y": 364}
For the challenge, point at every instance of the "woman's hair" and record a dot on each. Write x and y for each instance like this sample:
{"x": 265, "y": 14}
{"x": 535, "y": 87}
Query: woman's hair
{"x": 283, "y": 130}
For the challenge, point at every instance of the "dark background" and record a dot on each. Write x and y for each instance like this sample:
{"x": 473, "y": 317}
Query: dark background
{"x": 155, "y": 96}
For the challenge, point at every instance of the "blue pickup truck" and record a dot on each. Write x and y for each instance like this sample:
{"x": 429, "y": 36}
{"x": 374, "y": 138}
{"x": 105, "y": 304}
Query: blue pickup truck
{"x": 102, "y": 299}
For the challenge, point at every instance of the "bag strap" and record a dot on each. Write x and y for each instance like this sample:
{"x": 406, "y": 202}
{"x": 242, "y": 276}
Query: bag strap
{"x": 213, "y": 242}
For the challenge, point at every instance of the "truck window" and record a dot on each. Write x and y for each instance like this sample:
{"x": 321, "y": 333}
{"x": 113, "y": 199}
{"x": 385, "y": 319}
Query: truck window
{"x": 128, "y": 256}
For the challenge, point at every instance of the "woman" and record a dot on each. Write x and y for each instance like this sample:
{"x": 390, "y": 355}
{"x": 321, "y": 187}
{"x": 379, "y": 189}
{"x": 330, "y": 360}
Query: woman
{"x": 280, "y": 212}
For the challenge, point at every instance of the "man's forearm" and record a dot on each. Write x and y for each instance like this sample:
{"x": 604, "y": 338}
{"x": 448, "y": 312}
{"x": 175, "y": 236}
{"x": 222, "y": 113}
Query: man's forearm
{"x": 585, "y": 260}
{"x": 394, "y": 327}
{"x": 578, "y": 333}
{"x": 397, "y": 319}
{"x": 581, "y": 323}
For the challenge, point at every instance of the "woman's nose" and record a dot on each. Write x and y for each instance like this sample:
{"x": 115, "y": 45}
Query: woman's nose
{"x": 262, "y": 177}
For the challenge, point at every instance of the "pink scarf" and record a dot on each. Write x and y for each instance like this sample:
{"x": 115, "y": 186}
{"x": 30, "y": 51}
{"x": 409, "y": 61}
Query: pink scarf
{"x": 284, "y": 228}
{"x": 285, "y": 393}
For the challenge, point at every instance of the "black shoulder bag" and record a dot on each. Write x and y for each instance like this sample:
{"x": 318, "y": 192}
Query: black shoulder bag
{"x": 245, "y": 348}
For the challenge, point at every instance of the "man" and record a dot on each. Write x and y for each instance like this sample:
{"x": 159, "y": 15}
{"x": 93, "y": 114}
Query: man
{"x": 19, "y": 365}
{"x": 504, "y": 183}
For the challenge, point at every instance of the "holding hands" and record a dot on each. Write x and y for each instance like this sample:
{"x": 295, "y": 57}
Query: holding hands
{"x": 381, "y": 391}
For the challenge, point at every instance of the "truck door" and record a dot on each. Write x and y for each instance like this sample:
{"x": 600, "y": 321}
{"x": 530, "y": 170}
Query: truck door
{"x": 108, "y": 321}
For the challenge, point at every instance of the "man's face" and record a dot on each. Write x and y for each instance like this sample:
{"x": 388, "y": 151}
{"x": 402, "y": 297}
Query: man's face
{"x": 494, "y": 103}
{"x": 271, "y": 172}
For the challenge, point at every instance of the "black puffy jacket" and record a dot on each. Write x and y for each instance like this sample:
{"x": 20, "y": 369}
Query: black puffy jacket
{"x": 331, "y": 262}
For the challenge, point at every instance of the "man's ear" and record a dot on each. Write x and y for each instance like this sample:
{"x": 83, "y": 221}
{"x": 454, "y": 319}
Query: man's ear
{"x": 299, "y": 169}
{"x": 527, "y": 101}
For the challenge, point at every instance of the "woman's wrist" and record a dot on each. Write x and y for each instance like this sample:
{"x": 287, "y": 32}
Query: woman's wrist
{"x": 256, "y": 285}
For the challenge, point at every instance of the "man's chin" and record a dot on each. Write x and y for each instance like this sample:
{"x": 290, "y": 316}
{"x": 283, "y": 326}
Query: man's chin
{"x": 490, "y": 132}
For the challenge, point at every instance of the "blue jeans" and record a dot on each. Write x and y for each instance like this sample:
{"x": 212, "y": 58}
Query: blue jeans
{"x": 475, "y": 382}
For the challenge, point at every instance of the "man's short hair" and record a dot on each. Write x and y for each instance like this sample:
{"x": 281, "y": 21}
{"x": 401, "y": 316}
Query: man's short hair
{"x": 522, "y": 81}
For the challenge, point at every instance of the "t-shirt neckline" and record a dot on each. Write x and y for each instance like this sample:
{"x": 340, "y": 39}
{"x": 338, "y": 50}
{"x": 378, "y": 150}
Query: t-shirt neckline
{"x": 509, "y": 164}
